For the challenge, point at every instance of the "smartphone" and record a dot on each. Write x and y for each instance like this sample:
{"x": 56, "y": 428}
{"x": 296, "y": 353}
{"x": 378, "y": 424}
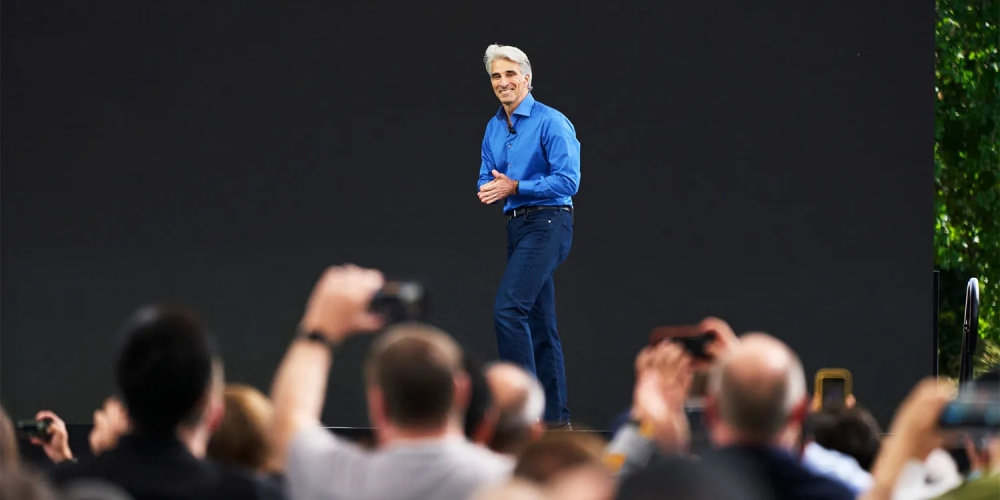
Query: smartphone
{"x": 35, "y": 428}
{"x": 690, "y": 337}
{"x": 977, "y": 408}
{"x": 833, "y": 386}
{"x": 400, "y": 301}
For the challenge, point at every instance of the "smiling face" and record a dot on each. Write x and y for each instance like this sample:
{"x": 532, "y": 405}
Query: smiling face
{"x": 509, "y": 84}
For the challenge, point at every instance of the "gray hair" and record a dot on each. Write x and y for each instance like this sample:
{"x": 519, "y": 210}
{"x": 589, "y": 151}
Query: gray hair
{"x": 510, "y": 53}
{"x": 764, "y": 411}
{"x": 532, "y": 409}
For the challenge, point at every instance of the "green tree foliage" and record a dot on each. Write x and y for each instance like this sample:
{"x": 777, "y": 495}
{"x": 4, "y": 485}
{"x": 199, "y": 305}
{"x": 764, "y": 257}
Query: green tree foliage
{"x": 967, "y": 170}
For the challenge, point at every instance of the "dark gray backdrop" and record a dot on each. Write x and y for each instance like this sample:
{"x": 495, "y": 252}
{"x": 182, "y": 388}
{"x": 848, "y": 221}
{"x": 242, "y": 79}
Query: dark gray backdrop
{"x": 766, "y": 162}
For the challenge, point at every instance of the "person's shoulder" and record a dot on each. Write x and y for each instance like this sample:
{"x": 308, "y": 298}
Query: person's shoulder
{"x": 547, "y": 112}
{"x": 553, "y": 120}
{"x": 486, "y": 458}
{"x": 67, "y": 471}
{"x": 232, "y": 482}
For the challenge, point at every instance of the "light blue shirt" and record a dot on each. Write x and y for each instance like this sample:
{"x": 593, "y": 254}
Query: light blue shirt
{"x": 540, "y": 151}
{"x": 837, "y": 466}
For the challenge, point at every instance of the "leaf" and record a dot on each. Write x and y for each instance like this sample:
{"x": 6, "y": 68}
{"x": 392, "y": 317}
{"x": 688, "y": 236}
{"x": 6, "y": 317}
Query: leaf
{"x": 967, "y": 167}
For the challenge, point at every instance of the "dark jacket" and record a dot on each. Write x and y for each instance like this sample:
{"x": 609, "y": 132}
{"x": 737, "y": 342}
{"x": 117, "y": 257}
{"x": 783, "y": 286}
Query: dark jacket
{"x": 162, "y": 468}
{"x": 774, "y": 473}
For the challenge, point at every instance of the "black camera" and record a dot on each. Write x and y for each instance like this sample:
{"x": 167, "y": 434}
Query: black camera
{"x": 35, "y": 428}
{"x": 400, "y": 301}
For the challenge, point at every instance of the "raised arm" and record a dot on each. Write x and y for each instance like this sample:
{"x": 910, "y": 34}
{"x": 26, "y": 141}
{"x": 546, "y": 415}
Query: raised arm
{"x": 338, "y": 307}
{"x": 563, "y": 151}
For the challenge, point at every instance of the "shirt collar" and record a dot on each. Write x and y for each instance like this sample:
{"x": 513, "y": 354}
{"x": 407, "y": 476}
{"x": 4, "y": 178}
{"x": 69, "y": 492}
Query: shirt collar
{"x": 150, "y": 442}
{"x": 523, "y": 109}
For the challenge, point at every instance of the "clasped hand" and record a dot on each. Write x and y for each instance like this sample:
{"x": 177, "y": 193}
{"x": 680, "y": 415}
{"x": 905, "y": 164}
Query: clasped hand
{"x": 499, "y": 188}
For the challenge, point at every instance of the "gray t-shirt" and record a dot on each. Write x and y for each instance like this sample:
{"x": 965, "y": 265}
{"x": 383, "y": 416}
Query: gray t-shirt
{"x": 322, "y": 465}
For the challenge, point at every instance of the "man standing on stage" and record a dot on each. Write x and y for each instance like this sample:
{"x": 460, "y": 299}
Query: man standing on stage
{"x": 531, "y": 162}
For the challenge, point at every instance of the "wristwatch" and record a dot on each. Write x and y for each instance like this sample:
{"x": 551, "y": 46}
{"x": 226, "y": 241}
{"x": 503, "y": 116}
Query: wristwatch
{"x": 316, "y": 337}
{"x": 646, "y": 429}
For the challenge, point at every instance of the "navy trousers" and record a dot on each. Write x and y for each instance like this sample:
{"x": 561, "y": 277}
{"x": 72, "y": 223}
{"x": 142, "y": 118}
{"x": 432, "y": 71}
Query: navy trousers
{"x": 525, "y": 309}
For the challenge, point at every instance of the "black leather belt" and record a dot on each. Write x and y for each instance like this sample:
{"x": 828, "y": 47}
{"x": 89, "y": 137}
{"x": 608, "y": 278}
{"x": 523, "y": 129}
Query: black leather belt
{"x": 517, "y": 212}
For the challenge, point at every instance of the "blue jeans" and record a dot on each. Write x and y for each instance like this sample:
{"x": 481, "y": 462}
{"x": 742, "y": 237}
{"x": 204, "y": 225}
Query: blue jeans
{"x": 525, "y": 309}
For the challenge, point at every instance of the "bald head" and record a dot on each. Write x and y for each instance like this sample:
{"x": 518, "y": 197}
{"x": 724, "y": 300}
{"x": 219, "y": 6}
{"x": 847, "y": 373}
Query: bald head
{"x": 515, "y": 391}
{"x": 520, "y": 402}
{"x": 415, "y": 367}
{"x": 758, "y": 387}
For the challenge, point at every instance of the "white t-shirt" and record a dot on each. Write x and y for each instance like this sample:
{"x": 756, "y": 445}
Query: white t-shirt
{"x": 322, "y": 465}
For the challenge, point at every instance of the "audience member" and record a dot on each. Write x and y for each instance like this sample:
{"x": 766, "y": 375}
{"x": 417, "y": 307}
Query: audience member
{"x": 836, "y": 441}
{"x": 520, "y": 402}
{"x": 590, "y": 481}
{"x": 515, "y": 489}
{"x": 756, "y": 405}
{"x": 481, "y": 415}
{"x": 417, "y": 393}
{"x": 673, "y": 477}
{"x": 658, "y": 422}
{"x": 110, "y": 424}
{"x": 913, "y": 436}
{"x": 10, "y": 454}
{"x": 837, "y": 466}
{"x": 558, "y": 452}
{"x": 851, "y": 431}
{"x": 56, "y": 443}
{"x": 171, "y": 383}
{"x": 448, "y": 427}
{"x": 23, "y": 483}
{"x": 241, "y": 438}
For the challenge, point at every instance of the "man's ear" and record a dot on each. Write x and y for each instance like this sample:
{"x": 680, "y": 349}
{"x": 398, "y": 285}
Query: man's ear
{"x": 537, "y": 430}
{"x": 213, "y": 417}
{"x": 800, "y": 411}
{"x": 487, "y": 427}
{"x": 463, "y": 392}
{"x": 376, "y": 407}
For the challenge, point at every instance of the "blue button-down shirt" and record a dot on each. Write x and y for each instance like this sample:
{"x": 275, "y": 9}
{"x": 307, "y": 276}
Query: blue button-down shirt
{"x": 543, "y": 155}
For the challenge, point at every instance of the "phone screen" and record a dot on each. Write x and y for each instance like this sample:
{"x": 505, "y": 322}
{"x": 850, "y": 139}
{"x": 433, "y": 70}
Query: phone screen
{"x": 834, "y": 392}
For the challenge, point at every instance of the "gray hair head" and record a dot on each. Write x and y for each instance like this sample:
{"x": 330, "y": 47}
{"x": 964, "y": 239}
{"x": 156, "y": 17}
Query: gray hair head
{"x": 510, "y": 53}
{"x": 759, "y": 387}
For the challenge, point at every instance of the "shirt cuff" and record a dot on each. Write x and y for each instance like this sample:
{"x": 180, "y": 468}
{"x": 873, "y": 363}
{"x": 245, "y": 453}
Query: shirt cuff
{"x": 631, "y": 449}
{"x": 527, "y": 188}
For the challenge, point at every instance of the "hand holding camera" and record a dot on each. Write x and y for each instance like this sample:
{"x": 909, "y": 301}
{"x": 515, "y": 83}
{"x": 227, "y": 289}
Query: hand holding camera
{"x": 48, "y": 431}
{"x": 340, "y": 301}
{"x": 705, "y": 342}
{"x": 348, "y": 299}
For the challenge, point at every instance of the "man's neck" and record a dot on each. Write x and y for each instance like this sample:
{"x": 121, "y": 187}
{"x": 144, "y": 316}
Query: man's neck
{"x": 394, "y": 435}
{"x": 194, "y": 439}
{"x": 725, "y": 437}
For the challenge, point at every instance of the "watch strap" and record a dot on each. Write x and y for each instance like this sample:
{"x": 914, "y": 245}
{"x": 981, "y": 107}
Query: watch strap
{"x": 316, "y": 337}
